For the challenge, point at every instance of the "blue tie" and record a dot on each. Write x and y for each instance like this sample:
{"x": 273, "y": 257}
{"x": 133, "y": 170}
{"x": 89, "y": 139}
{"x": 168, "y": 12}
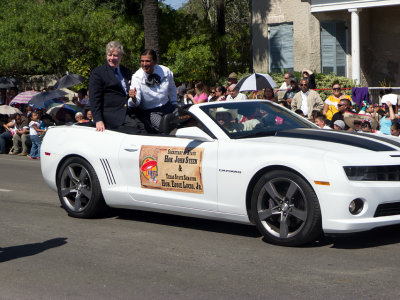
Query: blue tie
{"x": 121, "y": 79}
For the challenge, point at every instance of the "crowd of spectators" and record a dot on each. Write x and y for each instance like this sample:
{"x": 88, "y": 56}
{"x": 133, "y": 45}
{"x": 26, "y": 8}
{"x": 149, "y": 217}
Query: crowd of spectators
{"x": 21, "y": 134}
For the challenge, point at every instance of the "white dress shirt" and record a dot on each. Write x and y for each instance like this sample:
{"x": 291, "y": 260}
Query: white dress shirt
{"x": 151, "y": 97}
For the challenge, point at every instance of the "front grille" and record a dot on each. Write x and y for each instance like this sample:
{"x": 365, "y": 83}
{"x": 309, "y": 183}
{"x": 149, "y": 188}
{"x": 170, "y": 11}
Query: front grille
{"x": 387, "y": 209}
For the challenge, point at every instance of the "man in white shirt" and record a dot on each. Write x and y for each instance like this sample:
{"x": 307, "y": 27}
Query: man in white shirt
{"x": 234, "y": 94}
{"x": 152, "y": 90}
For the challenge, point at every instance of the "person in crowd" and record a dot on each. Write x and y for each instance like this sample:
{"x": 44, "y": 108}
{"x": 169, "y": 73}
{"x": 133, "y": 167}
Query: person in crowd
{"x": 13, "y": 91}
{"x": 307, "y": 100}
{"x": 213, "y": 96}
{"x": 366, "y": 127}
{"x": 310, "y": 77}
{"x": 285, "y": 85}
{"x": 17, "y": 130}
{"x": 234, "y": 94}
{"x": 288, "y": 97}
{"x": 181, "y": 91}
{"x": 386, "y": 121}
{"x": 153, "y": 90}
{"x": 395, "y": 129}
{"x": 300, "y": 113}
{"x": 270, "y": 95}
{"x": 187, "y": 99}
{"x": 80, "y": 118}
{"x": 108, "y": 86}
{"x": 320, "y": 121}
{"x": 34, "y": 133}
{"x": 357, "y": 124}
{"x": 201, "y": 93}
{"x": 220, "y": 92}
{"x": 83, "y": 99}
{"x": 339, "y": 125}
{"x": 89, "y": 115}
{"x": 343, "y": 106}
{"x": 232, "y": 79}
{"x": 331, "y": 103}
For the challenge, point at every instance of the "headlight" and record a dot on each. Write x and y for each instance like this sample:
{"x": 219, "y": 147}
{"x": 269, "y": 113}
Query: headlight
{"x": 373, "y": 173}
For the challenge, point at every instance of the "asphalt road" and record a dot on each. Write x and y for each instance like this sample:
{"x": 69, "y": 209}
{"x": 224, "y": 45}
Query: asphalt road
{"x": 44, "y": 254}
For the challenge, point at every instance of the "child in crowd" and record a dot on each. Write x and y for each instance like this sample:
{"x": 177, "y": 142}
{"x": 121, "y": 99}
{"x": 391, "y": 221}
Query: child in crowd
{"x": 34, "y": 130}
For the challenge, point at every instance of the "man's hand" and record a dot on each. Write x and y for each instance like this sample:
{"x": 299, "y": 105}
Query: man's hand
{"x": 100, "y": 126}
{"x": 132, "y": 94}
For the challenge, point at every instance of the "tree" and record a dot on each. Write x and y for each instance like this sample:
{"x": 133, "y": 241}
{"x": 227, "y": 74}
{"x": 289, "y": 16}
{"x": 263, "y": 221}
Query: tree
{"x": 150, "y": 24}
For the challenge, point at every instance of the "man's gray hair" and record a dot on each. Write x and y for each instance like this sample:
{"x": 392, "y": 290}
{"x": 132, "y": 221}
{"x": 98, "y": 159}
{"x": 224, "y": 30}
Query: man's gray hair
{"x": 114, "y": 44}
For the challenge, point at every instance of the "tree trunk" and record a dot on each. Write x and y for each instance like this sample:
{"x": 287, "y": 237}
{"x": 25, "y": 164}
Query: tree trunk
{"x": 150, "y": 23}
{"x": 222, "y": 67}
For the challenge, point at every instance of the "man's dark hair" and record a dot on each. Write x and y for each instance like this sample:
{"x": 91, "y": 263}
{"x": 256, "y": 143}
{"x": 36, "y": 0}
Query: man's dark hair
{"x": 149, "y": 52}
{"x": 335, "y": 83}
{"x": 222, "y": 89}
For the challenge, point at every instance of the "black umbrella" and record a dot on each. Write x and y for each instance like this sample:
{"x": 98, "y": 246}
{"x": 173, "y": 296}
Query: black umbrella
{"x": 43, "y": 97}
{"x": 7, "y": 82}
{"x": 69, "y": 80}
{"x": 255, "y": 82}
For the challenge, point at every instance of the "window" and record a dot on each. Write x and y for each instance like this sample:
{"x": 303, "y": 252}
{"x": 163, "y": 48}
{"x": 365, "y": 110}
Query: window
{"x": 333, "y": 48}
{"x": 281, "y": 47}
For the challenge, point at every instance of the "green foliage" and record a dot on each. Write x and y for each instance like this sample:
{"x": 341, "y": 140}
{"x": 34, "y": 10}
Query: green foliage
{"x": 192, "y": 59}
{"x": 46, "y": 38}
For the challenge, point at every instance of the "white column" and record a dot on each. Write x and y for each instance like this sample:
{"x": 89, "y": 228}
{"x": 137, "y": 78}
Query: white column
{"x": 355, "y": 44}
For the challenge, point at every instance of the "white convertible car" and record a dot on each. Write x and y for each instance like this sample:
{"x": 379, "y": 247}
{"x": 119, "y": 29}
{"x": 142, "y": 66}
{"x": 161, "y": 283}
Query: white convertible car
{"x": 246, "y": 161}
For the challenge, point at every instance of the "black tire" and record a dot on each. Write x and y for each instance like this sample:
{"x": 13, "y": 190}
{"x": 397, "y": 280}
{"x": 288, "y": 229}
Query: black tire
{"x": 79, "y": 189}
{"x": 286, "y": 209}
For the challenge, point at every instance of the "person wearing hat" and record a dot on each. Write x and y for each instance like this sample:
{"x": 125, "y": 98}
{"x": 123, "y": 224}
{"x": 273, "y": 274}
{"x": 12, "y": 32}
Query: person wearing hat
{"x": 288, "y": 97}
{"x": 339, "y": 125}
{"x": 227, "y": 119}
{"x": 343, "y": 106}
{"x": 232, "y": 78}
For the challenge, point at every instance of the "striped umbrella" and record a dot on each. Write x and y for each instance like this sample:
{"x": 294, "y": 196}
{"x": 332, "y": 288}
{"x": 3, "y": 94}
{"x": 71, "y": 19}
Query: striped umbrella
{"x": 24, "y": 97}
{"x": 255, "y": 82}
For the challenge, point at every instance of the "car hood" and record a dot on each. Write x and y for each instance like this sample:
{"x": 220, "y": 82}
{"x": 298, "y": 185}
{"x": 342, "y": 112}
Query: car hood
{"x": 331, "y": 140}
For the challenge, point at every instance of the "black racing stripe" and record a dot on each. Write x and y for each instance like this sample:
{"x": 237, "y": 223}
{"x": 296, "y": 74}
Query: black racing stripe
{"x": 349, "y": 139}
{"x": 381, "y": 138}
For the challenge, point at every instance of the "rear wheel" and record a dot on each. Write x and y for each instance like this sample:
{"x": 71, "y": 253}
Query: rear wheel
{"x": 286, "y": 209}
{"x": 79, "y": 189}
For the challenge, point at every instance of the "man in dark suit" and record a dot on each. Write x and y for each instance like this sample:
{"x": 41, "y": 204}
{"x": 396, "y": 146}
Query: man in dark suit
{"x": 109, "y": 86}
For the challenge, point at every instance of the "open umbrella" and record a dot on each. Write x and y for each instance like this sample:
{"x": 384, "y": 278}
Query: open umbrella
{"x": 24, "y": 97}
{"x": 255, "y": 82}
{"x": 69, "y": 80}
{"x": 7, "y": 82}
{"x": 9, "y": 110}
{"x": 61, "y": 108}
{"x": 45, "y": 98}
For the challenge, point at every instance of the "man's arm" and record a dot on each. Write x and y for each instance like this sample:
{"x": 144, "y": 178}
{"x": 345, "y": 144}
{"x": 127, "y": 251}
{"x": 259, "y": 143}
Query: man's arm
{"x": 97, "y": 98}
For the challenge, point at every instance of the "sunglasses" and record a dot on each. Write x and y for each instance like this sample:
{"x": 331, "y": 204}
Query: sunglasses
{"x": 340, "y": 105}
{"x": 303, "y": 84}
{"x": 212, "y": 92}
{"x": 336, "y": 89}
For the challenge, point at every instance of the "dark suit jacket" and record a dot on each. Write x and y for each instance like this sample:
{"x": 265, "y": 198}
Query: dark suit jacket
{"x": 107, "y": 97}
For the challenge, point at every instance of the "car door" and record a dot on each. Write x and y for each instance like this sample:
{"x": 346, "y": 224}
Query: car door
{"x": 170, "y": 171}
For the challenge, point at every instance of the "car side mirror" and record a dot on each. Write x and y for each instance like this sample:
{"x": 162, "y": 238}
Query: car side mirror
{"x": 193, "y": 133}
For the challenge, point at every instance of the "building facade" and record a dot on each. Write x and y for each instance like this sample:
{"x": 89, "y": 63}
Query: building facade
{"x": 353, "y": 38}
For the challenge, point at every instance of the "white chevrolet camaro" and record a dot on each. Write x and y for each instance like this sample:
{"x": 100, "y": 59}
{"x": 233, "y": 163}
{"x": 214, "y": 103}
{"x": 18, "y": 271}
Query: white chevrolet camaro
{"x": 251, "y": 162}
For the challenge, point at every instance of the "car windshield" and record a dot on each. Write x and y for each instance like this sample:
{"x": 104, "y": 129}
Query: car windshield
{"x": 253, "y": 118}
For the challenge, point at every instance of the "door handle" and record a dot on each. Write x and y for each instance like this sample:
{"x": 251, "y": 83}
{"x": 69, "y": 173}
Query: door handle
{"x": 131, "y": 148}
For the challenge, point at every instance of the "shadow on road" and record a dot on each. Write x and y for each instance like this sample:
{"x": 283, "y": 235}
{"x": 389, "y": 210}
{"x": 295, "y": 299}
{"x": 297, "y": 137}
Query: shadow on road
{"x": 14, "y": 252}
{"x": 374, "y": 238}
{"x": 186, "y": 222}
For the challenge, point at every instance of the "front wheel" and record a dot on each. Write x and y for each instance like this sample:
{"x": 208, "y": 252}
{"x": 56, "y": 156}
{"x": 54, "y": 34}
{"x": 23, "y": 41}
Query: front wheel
{"x": 286, "y": 209}
{"x": 79, "y": 189}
